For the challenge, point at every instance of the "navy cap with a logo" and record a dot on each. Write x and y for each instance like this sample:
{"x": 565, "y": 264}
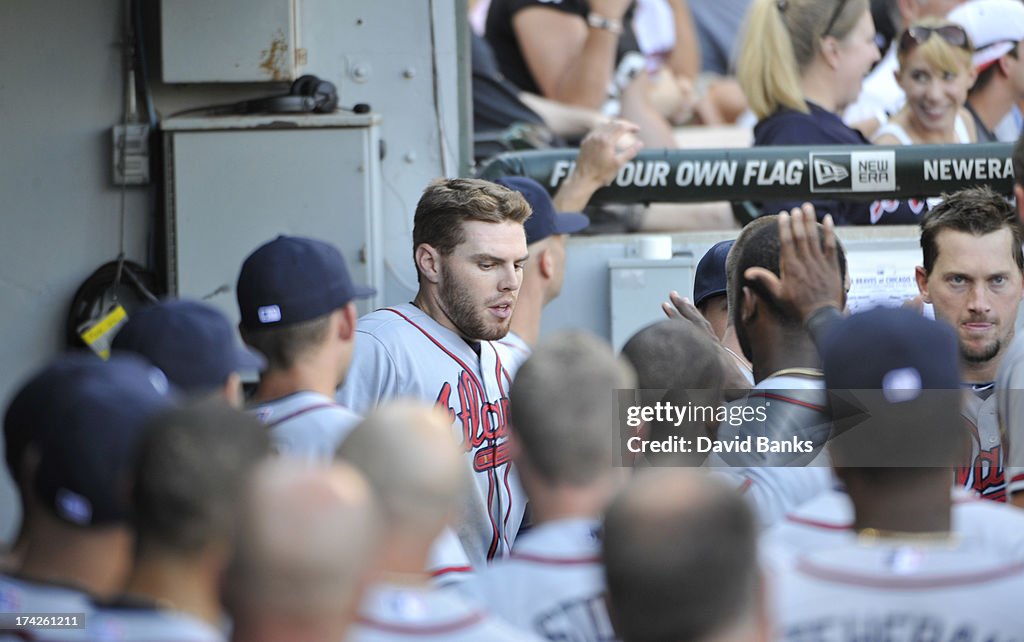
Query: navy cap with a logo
{"x": 192, "y": 342}
{"x": 709, "y": 279}
{"x": 891, "y": 349}
{"x": 544, "y": 221}
{"x": 293, "y": 279}
{"x": 88, "y": 418}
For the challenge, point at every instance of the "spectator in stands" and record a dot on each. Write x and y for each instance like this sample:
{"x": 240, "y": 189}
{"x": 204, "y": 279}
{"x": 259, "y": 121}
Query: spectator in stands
{"x": 680, "y": 559}
{"x": 305, "y": 542}
{"x": 194, "y": 344}
{"x": 996, "y": 27}
{"x": 935, "y": 73}
{"x": 192, "y": 472}
{"x": 880, "y": 95}
{"x": 667, "y": 36}
{"x": 577, "y": 52}
{"x": 801, "y": 64}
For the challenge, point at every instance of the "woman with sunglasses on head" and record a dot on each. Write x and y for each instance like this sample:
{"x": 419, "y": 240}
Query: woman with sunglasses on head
{"x": 935, "y": 73}
{"x": 802, "y": 62}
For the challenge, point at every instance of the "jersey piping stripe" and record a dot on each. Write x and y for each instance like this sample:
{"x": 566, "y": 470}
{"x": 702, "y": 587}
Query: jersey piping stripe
{"x": 745, "y": 486}
{"x": 499, "y": 370}
{"x": 899, "y": 583}
{"x": 495, "y": 534}
{"x": 451, "y": 569}
{"x": 302, "y": 411}
{"x": 554, "y": 561}
{"x": 796, "y": 402}
{"x": 426, "y": 629}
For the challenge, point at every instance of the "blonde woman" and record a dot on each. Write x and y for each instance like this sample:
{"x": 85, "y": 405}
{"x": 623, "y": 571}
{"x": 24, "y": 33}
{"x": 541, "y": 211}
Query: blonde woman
{"x": 802, "y": 62}
{"x": 935, "y": 73}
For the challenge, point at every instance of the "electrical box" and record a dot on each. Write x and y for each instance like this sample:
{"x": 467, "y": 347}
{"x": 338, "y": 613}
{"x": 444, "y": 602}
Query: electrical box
{"x": 230, "y": 41}
{"x": 236, "y": 182}
{"x": 638, "y": 287}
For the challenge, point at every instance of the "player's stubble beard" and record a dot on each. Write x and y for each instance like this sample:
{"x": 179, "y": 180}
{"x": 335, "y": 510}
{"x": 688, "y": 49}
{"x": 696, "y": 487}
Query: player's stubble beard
{"x": 457, "y": 303}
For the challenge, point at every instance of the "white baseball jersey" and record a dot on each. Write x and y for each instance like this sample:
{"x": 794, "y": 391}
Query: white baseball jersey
{"x": 21, "y": 596}
{"x": 517, "y": 349}
{"x": 551, "y": 584}
{"x": 900, "y": 591}
{"x": 1010, "y": 405}
{"x": 773, "y": 491}
{"x": 143, "y": 622}
{"x": 985, "y": 475}
{"x": 306, "y": 424}
{"x": 402, "y": 352}
{"x": 391, "y": 613}
{"x": 827, "y": 521}
{"x": 448, "y": 563}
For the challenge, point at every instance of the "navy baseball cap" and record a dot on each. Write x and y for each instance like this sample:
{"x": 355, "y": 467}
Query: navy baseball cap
{"x": 192, "y": 342}
{"x": 544, "y": 221}
{"x": 709, "y": 279}
{"x": 293, "y": 279}
{"x": 89, "y": 417}
{"x": 893, "y": 350}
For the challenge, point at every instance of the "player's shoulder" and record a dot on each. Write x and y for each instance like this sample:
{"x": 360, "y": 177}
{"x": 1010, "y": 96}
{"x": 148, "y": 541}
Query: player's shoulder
{"x": 136, "y": 623}
{"x": 392, "y": 319}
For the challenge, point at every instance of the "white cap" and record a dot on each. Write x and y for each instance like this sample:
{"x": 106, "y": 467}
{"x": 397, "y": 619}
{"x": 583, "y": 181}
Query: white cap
{"x": 993, "y": 25}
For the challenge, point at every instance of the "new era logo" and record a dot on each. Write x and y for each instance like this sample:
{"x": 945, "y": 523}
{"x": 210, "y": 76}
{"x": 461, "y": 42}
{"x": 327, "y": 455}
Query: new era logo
{"x": 269, "y": 314}
{"x": 829, "y": 172}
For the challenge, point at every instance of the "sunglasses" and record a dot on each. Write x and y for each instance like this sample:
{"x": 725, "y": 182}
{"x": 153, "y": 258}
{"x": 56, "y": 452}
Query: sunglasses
{"x": 835, "y": 16}
{"x": 918, "y": 35}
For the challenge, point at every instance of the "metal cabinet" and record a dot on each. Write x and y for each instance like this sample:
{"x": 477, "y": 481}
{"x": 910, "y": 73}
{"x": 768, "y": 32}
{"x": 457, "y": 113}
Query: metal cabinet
{"x": 235, "y": 182}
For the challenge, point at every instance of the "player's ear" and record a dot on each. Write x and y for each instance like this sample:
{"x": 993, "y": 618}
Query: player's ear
{"x": 922, "y": 283}
{"x": 347, "y": 321}
{"x": 232, "y": 391}
{"x": 1018, "y": 194}
{"x": 428, "y": 262}
{"x": 748, "y": 303}
{"x": 546, "y": 262}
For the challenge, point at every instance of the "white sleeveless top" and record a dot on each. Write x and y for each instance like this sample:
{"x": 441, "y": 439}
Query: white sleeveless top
{"x": 959, "y": 128}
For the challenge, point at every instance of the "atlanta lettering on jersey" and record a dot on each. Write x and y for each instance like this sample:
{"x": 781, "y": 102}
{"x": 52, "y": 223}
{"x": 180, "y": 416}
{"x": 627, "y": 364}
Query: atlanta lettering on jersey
{"x": 482, "y": 422}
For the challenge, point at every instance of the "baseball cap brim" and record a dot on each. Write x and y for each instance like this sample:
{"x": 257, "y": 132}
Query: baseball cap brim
{"x": 570, "y": 222}
{"x": 248, "y": 360}
{"x": 362, "y": 291}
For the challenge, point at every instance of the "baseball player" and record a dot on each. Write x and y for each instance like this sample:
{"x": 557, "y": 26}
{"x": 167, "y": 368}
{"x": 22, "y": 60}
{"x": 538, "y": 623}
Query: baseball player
{"x": 562, "y": 406}
{"x": 302, "y": 553}
{"x": 296, "y": 297}
{"x": 88, "y": 417}
{"x": 194, "y": 344}
{"x": 973, "y": 275}
{"x": 407, "y": 453}
{"x": 680, "y": 559}
{"x": 906, "y": 571}
{"x": 469, "y": 248}
{"x": 192, "y": 470}
{"x": 789, "y": 393}
{"x": 599, "y": 159}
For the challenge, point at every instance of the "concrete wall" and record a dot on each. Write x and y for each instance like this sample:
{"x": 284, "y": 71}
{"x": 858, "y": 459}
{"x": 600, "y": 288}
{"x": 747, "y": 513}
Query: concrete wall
{"x": 60, "y": 93}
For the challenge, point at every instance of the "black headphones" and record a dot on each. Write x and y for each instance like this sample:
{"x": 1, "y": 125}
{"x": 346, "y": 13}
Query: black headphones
{"x": 308, "y": 94}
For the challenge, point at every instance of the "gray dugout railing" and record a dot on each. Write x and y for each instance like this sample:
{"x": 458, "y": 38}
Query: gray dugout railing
{"x": 779, "y": 173}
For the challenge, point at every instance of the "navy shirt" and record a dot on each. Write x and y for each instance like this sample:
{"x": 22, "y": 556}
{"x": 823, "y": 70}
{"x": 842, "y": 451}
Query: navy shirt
{"x": 819, "y": 127}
